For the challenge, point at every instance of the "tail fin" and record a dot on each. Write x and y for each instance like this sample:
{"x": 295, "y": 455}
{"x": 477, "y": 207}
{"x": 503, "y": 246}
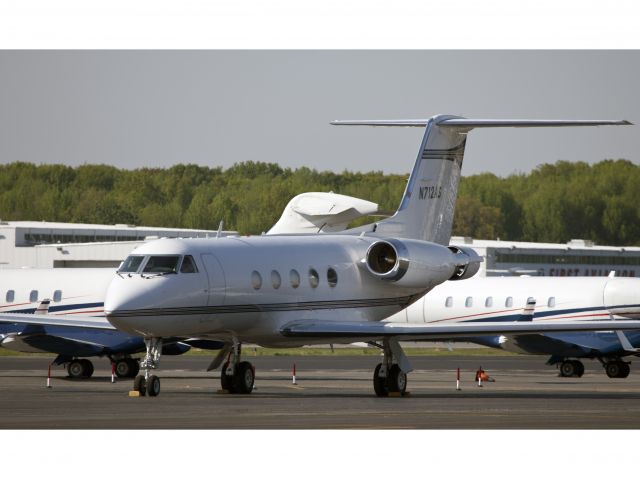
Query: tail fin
{"x": 429, "y": 200}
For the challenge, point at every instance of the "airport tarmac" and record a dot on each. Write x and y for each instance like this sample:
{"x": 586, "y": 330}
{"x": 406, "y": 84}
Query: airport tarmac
{"x": 333, "y": 392}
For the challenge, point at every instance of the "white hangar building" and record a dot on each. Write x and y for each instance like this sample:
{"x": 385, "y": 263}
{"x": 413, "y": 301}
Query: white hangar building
{"x": 575, "y": 258}
{"x": 34, "y": 244}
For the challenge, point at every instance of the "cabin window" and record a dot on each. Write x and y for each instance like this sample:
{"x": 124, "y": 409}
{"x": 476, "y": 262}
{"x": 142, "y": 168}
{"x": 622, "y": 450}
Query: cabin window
{"x": 294, "y": 278}
{"x": 531, "y": 299}
{"x": 57, "y": 296}
{"x": 11, "y": 295}
{"x": 468, "y": 302}
{"x": 162, "y": 264}
{"x": 131, "y": 264}
{"x": 488, "y": 303}
{"x": 552, "y": 302}
{"x": 332, "y": 277}
{"x": 314, "y": 279}
{"x": 449, "y": 302}
{"x": 275, "y": 279}
{"x": 188, "y": 265}
{"x": 256, "y": 280}
{"x": 33, "y": 296}
{"x": 509, "y": 302}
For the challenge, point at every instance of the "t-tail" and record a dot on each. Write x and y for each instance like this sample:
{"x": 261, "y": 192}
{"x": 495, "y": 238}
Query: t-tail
{"x": 429, "y": 200}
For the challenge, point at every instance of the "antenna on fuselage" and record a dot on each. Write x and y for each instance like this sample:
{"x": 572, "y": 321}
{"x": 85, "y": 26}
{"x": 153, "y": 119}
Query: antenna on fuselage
{"x": 220, "y": 226}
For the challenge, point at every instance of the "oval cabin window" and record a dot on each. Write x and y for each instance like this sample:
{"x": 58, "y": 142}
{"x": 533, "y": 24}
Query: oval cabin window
{"x": 275, "y": 279}
{"x": 332, "y": 277}
{"x": 256, "y": 280}
{"x": 449, "y": 302}
{"x": 314, "y": 279}
{"x": 294, "y": 278}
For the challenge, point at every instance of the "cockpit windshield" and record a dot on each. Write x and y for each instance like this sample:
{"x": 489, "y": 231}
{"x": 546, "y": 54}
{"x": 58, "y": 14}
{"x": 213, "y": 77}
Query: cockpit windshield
{"x": 131, "y": 264}
{"x": 162, "y": 264}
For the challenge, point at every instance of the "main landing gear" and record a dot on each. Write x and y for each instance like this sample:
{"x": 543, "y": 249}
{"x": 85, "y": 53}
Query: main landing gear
{"x": 616, "y": 368}
{"x": 571, "y": 368}
{"x": 127, "y": 367}
{"x": 236, "y": 376}
{"x": 79, "y": 369}
{"x": 149, "y": 384}
{"x": 391, "y": 376}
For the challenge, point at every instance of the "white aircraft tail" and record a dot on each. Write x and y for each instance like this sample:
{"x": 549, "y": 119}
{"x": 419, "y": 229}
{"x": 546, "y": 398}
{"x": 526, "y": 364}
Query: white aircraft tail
{"x": 429, "y": 200}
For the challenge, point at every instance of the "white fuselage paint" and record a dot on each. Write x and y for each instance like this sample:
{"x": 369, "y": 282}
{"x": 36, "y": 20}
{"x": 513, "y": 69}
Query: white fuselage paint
{"x": 580, "y": 298}
{"x": 220, "y": 300}
{"x": 81, "y": 290}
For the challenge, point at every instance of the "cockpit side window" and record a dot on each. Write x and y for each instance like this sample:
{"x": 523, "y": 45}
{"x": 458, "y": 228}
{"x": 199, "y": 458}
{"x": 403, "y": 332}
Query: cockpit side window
{"x": 131, "y": 264}
{"x": 188, "y": 265}
{"x": 162, "y": 264}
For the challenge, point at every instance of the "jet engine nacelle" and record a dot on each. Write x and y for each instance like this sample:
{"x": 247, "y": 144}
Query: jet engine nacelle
{"x": 410, "y": 263}
{"x": 467, "y": 262}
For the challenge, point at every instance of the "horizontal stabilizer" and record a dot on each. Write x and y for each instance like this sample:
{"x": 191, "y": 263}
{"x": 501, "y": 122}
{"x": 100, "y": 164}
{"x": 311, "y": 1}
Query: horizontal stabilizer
{"x": 468, "y": 123}
{"x": 370, "y": 331}
{"x": 87, "y": 322}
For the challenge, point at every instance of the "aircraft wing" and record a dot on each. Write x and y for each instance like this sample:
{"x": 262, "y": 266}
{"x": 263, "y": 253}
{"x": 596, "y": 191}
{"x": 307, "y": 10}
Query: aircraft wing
{"x": 87, "y": 322}
{"x": 407, "y": 331}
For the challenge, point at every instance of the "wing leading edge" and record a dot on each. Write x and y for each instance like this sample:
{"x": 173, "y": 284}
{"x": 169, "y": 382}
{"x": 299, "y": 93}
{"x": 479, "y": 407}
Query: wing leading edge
{"x": 87, "y": 322}
{"x": 405, "y": 331}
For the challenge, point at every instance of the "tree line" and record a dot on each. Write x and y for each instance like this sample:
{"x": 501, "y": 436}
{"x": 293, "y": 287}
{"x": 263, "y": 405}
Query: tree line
{"x": 553, "y": 203}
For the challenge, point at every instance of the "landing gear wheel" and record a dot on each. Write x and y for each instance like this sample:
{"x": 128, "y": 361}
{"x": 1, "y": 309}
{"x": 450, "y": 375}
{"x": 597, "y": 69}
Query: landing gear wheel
{"x": 379, "y": 384}
{"x": 140, "y": 385}
{"x": 243, "y": 378}
{"x": 397, "y": 380}
{"x": 127, "y": 368}
{"x": 88, "y": 368}
{"x": 579, "y": 368}
{"x": 75, "y": 369}
{"x": 617, "y": 369}
{"x": 153, "y": 386}
{"x": 568, "y": 369}
{"x": 226, "y": 381}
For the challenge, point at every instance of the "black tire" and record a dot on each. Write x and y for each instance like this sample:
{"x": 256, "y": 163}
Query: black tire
{"x": 226, "y": 381}
{"x": 625, "y": 369}
{"x": 613, "y": 369}
{"x": 379, "y": 384}
{"x": 243, "y": 378}
{"x": 153, "y": 386}
{"x": 135, "y": 367}
{"x": 140, "y": 385}
{"x": 88, "y": 368}
{"x": 397, "y": 380}
{"x": 76, "y": 369}
{"x": 579, "y": 368}
{"x": 127, "y": 368}
{"x": 567, "y": 369}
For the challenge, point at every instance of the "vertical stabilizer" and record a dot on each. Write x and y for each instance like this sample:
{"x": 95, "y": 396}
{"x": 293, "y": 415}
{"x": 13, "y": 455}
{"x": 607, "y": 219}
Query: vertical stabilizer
{"x": 428, "y": 204}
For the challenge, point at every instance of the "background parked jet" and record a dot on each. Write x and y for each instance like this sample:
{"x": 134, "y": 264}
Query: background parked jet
{"x": 69, "y": 293}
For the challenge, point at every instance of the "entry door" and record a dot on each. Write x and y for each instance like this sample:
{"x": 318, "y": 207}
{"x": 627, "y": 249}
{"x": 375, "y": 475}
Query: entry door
{"x": 217, "y": 283}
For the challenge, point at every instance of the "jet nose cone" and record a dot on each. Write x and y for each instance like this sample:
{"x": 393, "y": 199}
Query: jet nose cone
{"x": 622, "y": 297}
{"x": 124, "y": 300}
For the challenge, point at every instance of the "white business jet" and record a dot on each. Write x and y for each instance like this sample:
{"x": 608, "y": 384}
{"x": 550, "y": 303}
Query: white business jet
{"x": 307, "y": 289}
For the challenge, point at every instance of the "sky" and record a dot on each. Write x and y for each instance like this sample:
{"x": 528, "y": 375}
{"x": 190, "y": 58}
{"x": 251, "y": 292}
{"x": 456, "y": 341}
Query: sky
{"x": 158, "y": 108}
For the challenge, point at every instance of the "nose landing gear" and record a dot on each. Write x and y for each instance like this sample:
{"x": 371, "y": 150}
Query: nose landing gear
{"x": 149, "y": 384}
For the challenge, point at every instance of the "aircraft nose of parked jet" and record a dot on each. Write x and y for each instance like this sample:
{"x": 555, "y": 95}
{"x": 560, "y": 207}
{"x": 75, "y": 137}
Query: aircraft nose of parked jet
{"x": 622, "y": 297}
{"x": 127, "y": 299}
